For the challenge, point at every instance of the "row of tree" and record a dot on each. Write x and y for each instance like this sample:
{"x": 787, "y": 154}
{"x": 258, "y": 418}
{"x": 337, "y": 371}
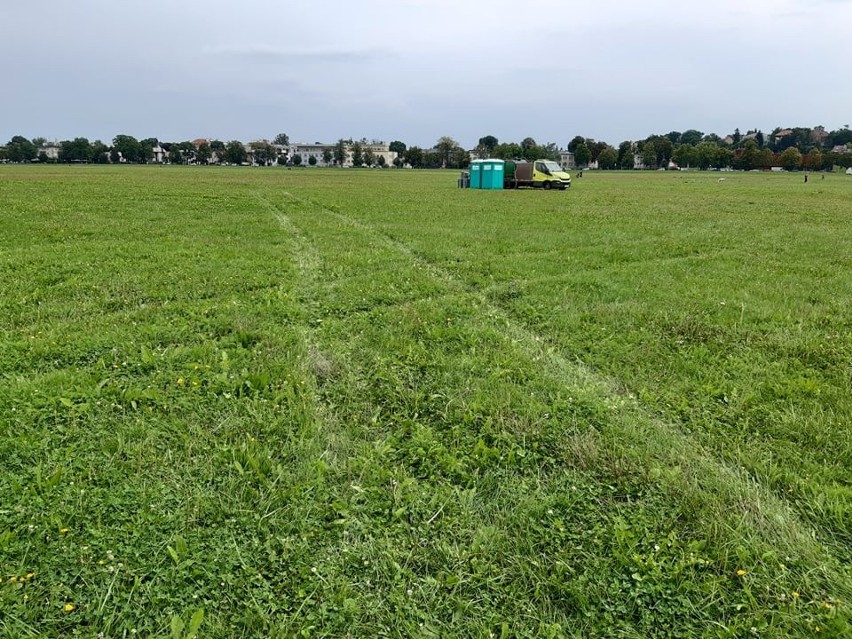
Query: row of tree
{"x": 696, "y": 150}
{"x": 789, "y": 148}
{"x": 126, "y": 148}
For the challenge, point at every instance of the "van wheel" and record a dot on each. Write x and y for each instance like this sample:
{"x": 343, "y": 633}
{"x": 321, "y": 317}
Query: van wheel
{"x": 547, "y": 186}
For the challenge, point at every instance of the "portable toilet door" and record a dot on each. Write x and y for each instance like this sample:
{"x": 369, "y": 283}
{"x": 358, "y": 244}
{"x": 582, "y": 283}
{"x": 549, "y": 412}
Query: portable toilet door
{"x": 486, "y": 174}
{"x": 492, "y": 174}
{"x": 476, "y": 174}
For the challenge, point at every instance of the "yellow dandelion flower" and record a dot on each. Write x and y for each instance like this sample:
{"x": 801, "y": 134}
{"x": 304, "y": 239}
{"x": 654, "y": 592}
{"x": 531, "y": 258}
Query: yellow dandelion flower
{"x": 740, "y": 572}
{"x": 30, "y": 575}
{"x": 68, "y": 607}
{"x": 180, "y": 381}
{"x": 62, "y": 531}
{"x": 795, "y": 595}
{"x": 101, "y": 562}
{"x": 13, "y": 579}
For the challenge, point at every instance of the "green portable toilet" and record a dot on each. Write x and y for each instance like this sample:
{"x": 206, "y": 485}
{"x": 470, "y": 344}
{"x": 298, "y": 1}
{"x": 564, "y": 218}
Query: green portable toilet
{"x": 492, "y": 174}
{"x": 476, "y": 174}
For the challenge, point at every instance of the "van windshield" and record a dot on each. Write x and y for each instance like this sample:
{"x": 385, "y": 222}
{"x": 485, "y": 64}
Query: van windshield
{"x": 552, "y": 166}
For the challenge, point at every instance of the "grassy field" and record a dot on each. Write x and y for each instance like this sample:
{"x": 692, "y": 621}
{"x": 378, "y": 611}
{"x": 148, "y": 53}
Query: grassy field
{"x": 319, "y": 403}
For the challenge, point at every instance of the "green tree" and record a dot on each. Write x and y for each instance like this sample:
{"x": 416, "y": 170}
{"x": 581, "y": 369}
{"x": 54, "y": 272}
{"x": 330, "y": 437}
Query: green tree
{"x": 487, "y": 144}
{"x": 674, "y": 137}
{"x": 691, "y": 136}
{"x": 312, "y": 160}
{"x": 626, "y": 155}
{"x": 791, "y": 159}
{"x": 340, "y": 152}
{"x": 445, "y": 146}
{"x": 235, "y": 152}
{"x": 203, "y": 153}
{"x": 625, "y": 147}
{"x": 508, "y": 151}
{"x": 189, "y": 151}
{"x": 326, "y": 156}
{"x": 397, "y": 147}
{"x": 664, "y": 150}
{"x": 380, "y": 161}
{"x": 20, "y": 149}
{"x": 263, "y": 152}
{"x": 649, "y": 154}
{"x": 459, "y": 158}
{"x": 369, "y": 157}
{"x": 100, "y": 152}
{"x": 813, "y": 160}
{"x": 128, "y": 147}
{"x": 749, "y": 157}
{"x": 217, "y": 147}
{"x": 432, "y": 159}
{"x": 576, "y": 141}
{"x": 596, "y": 147}
{"x": 297, "y": 159}
{"x": 582, "y": 155}
{"x": 766, "y": 159}
{"x": 724, "y": 157}
{"x": 282, "y": 139}
{"x": 146, "y": 149}
{"x": 685, "y": 155}
{"x": 706, "y": 155}
{"x": 357, "y": 154}
{"x": 414, "y": 156}
{"x": 608, "y": 158}
{"x": 76, "y": 150}
{"x": 840, "y": 137}
{"x": 175, "y": 155}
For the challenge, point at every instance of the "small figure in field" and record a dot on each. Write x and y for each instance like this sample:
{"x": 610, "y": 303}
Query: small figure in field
{"x": 806, "y": 177}
{"x": 823, "y": 176}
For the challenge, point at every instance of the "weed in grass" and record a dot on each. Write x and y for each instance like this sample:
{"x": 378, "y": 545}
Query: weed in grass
{"x": 324, "y": 403}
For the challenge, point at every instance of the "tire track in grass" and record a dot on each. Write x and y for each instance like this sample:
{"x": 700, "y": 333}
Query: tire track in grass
{"x": 734, "y": 507}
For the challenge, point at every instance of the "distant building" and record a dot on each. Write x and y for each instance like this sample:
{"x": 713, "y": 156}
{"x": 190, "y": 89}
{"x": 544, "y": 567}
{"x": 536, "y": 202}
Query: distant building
{"x": 819, "y": 135}
{"x": 566, "y": 160}
{"x": 51, "y": 150}
{"x": 159, "y": 154}
{"x": 316, "y": 150}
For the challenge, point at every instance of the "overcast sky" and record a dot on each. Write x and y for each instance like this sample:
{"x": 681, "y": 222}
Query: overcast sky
{"x": 415, "y": 70}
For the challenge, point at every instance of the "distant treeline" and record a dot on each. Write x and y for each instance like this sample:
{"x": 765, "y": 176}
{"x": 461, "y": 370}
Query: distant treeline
{"x": 792, "y": 149}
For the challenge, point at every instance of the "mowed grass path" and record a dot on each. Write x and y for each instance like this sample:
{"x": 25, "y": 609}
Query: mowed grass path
{"x": 315, "y": 402}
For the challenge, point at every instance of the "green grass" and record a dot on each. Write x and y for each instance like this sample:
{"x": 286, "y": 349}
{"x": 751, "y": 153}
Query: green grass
{"x": 321, "y": 403}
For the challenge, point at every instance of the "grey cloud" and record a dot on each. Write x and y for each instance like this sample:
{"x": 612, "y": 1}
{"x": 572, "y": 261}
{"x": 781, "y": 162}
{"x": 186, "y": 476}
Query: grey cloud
{"x": 276, "y": 54}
